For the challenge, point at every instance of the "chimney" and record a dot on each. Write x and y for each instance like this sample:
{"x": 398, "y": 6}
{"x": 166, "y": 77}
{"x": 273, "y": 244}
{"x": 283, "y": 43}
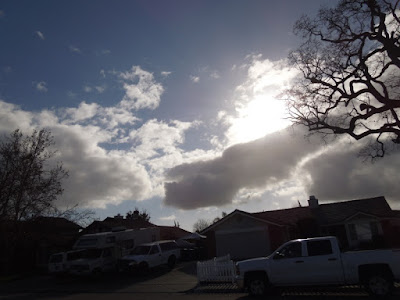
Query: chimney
{"x": 313, "y": 202}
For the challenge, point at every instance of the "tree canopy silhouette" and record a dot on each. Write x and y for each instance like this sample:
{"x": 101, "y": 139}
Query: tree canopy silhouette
{"x": 29, "y": 181}
{"x": 350, "y": 66}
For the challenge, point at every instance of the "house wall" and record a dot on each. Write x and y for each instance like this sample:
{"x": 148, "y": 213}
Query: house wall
{"x": 391, "y": 233}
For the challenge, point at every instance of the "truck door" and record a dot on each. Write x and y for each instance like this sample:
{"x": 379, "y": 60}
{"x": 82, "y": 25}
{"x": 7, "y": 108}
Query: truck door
{"x": 287, "y": 265}
{"x": 322, "y": 263}
{"x": 154, "y": 256}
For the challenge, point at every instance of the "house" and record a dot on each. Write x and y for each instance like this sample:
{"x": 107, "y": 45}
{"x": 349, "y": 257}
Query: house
{"x": 365, "y": 223}
{"x": 28, "y": 244}
{"x": 135, "y": 222}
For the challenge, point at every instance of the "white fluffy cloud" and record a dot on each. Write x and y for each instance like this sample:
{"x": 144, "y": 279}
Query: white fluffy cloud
{"x": 141, "y": 89}
{"x": 89, "y": 137}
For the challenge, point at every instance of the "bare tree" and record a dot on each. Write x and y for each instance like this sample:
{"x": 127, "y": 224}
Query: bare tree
{"x": 350, "y": 66}
{"x": 200, "y": 225}
{"x": 83, "y": 217}
{"x": 29, "y": 183}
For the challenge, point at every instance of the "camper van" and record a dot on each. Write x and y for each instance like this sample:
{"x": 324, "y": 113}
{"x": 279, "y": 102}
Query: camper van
{"x": 102, "y": 250}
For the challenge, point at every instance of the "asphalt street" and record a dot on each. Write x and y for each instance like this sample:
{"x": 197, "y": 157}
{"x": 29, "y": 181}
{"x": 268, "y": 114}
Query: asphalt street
{"x": 162, "y": 283}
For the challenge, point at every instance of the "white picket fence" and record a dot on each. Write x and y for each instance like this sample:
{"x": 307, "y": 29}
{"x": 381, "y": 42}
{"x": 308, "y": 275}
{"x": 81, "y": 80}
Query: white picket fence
{"x": 219, "y": 269}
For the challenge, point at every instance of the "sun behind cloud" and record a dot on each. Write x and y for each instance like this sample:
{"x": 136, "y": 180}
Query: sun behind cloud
{"x": 258, "y": 110}
{"x": 261, "y": 116}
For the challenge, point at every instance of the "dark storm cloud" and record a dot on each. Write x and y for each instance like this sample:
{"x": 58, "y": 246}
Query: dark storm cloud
{"x": 338, "y": 174}
{"x": 255, "y": 164}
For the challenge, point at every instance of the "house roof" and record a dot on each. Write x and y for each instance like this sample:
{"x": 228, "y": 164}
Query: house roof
{"x": 325, "y": 214}
{"x": 289, "y": 216}
{"x": 240, "y": 212}
{"x": 51, "y": 225}
{"x": 172, "y": 232}
{"x": 331, "y": 213}
{"x": 109, "y": 223}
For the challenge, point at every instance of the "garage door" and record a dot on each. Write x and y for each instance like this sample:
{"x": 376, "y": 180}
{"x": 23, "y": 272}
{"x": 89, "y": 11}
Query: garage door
{"x": 243, "y": 244}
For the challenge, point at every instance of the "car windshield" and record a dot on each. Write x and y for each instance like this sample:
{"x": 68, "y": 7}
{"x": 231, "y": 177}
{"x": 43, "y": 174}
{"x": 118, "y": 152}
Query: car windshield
{"x": 74, "y": 255}
{"x": 92, "y": 253}
{"x": 56, "y": 258}
{"x": 140, "y": 250}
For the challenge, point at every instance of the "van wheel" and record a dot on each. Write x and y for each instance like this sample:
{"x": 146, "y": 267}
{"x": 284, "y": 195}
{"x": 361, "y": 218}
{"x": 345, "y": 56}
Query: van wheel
{"x": 171, "y": 261}
{"x": 96, "y": 273}
{"x": 379, "y": 285}
{"x": 257, "y": 285}
{"x": 144, "y": 267}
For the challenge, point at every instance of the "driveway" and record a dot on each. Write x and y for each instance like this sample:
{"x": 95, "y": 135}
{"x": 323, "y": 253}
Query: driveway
{"x": 161, "y": 280}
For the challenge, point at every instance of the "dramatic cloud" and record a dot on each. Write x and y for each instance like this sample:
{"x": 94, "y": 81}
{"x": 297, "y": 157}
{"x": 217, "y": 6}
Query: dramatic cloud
{"x": 109, "y": 160}
{"x": 339, "y": 174}
{"x": 257, "y": 164}
{"x": 258, "y": 109}
{"x": 40, "y": 35}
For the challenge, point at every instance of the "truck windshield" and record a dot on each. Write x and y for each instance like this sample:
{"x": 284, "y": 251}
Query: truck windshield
{"x": 92, "y": 253}
{"x": 140, "y": 250}
{"x": 56, "y": 258}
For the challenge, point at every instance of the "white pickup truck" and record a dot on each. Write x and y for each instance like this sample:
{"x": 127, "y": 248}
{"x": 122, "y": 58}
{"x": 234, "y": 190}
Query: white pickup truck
{"x": 319, "y": 262}
{"x": 151, "y": 255}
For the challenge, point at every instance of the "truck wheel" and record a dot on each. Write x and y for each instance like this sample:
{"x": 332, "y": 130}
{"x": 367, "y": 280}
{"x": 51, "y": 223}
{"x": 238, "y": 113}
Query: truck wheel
{"x": 257, "y": 285}
{"x": 379, "y": 285}
{"x": 171, "y": 261}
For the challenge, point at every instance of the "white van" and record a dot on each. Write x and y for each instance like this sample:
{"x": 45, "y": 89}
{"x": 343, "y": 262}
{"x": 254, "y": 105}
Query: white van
{"x": 59, "y": 263}
{"x": 104, "y": 249}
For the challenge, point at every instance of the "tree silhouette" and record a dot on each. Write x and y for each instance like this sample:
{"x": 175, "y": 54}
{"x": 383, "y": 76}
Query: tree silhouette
{"x": 350, "y": 66}
{"x": 29, "y": 181}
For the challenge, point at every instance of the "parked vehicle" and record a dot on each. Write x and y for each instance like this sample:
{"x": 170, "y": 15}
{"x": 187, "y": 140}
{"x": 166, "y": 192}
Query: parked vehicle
{"x": 103, "y": 250}
{"x": 151, "y": 255}
{"x": 59, "y": 263}
{"x": 319, "y": 262}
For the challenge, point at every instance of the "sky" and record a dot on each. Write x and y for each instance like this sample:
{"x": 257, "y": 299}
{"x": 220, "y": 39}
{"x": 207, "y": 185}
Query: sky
{"x": 173, "y": 107}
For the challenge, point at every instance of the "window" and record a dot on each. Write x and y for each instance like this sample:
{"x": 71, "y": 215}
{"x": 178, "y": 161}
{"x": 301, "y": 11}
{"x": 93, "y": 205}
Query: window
{"x": 315, "y": 248}
{"x": 87, "y": 242}
{"x": 154, "y": 250}
{"x": 363, "y": 231}
{"x": 168, "y": 246}
{"x": 289, "y": 251}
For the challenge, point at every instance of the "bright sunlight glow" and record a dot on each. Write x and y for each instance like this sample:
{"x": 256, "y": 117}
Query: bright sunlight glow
{"x": 259, "y": 117}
